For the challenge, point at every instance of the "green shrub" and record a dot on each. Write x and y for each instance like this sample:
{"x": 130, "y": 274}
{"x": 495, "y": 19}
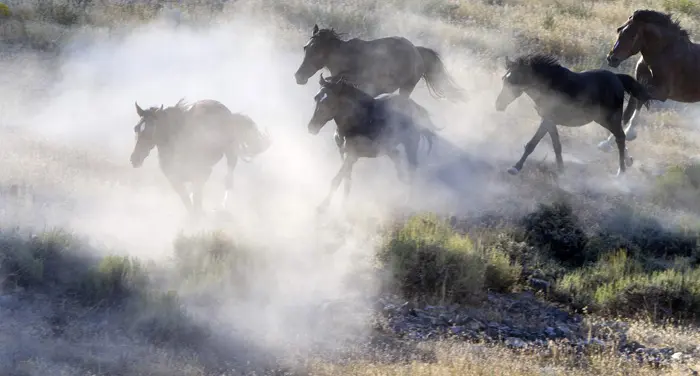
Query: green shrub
{"x": 502, "y": 274}
{"x": 428, "y": 259}
{"x": 211, "y": 258}
{"x": 113, "y": 279}
{"x": 556, "y": 230}
{"x": 642, "y": 236}
{"x": 619, "y": 285}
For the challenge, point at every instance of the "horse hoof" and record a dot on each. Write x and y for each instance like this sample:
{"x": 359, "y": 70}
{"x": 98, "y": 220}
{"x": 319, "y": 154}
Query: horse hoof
{"x": 513, "y": 171}
{"x": 605, "y": 146}
{"x": 629, "y": 161}
{"x": 631, "y": 135}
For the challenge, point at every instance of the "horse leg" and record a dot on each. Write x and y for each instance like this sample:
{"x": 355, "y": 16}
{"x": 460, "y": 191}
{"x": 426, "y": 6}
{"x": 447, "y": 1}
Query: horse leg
{"x": 231, "y": 162}
{"x": 630, "y": 114}
{"x": 179, "y": 188}
{"x": 407, "y": 89}
{"x": 614, "y": 125}
{"x": 340, "y": 142}
{"x": 395, "y": 156}
{"x": 544, "y": 127}
{"x": 344, "y": 171}
{"x": 411, "y": 147}
{"x": 643, "y": 75}
{"x": 556, "y": 144}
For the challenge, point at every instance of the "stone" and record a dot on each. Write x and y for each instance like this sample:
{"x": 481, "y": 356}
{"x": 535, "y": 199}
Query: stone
{"x": 677, "y": 356}
{"x": 515, "y": 342}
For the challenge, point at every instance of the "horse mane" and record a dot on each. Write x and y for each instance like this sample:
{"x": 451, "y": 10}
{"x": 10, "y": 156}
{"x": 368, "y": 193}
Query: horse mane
{"x": 182, "y": 105}
{"x": 540, "y": 64}
{"x": 349, "y": 87}
{"x": 664, "y": 20}
{"x": 328, "y": 35}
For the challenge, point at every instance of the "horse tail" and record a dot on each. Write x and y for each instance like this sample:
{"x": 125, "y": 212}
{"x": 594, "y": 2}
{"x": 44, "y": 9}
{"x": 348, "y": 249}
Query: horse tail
{"x": 635, "y": 89}
{"x": 250, "y": 141}
{"x": 440, "y": 83}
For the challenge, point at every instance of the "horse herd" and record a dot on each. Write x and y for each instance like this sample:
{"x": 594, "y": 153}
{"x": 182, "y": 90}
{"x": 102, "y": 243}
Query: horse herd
{"x": 372, "y": 120}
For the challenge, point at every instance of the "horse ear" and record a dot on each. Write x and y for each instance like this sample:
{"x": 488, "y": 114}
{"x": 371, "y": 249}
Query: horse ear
{"x": 315, "y": 31}
{"x": 161, "y": 107}
{"x": 321, "y": 80}
{"x": 139, "y": 110}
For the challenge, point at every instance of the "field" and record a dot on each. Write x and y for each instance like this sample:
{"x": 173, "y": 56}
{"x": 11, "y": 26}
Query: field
{"x": 482, "y": 273}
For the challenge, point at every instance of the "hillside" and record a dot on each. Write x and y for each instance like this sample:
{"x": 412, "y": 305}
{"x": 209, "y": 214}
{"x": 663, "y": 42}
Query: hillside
{"x": 482, "y": 273}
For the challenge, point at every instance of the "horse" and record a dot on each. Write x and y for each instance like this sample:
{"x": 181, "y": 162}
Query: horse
{"x": 567, "y": 98}
{"x": 370, "y": 127}
{"x": 668, "y": 65}
{"x": 191, "y": 139}
{"x": 379, "y": 66}
{"x": 376, "y": 66}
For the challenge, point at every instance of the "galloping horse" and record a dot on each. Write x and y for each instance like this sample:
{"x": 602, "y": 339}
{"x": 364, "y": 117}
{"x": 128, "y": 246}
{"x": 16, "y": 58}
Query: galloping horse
{"x": 376, "y": 66}
{"x": 191, "y": 139}
{"x": 669, "y": 66}
{"x": 370, "y": 127}
{"x": 567, "y": 98}
{"x": 379, "y": 66}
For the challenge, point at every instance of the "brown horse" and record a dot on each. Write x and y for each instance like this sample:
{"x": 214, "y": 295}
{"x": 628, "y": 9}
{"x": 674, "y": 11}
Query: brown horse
{"x": 669, "y": 66}
{"x": 191, "y": 139}
{"x": 378, "y": 66}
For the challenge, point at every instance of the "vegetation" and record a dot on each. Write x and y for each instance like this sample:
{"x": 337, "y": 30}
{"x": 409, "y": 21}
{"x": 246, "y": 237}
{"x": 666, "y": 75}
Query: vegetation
{"x": 618, "y": 263}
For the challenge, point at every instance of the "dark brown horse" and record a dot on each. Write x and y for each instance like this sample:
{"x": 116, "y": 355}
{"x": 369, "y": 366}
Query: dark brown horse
{"x": 191, "y": 139}
{"x": 567, "y": 98}
{"x": 669, "y": 65}
{"x": 370, "y": 127}
{"x": 378, "y": 66}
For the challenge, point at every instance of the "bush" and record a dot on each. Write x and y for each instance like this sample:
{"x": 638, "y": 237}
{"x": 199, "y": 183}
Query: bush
{"x": 215, "y": 258}
{"x": 428, "y": 259}
{"x": 642, "y": 236}
{"x": 58, "y": 263}
{"x": 556, "y": 230}
{"x": 619, "y": 285}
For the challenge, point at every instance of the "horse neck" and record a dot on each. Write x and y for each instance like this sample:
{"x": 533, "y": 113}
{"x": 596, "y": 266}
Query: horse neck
{"x": 656, "y": 51}
{"x": 170, "y": 131}
{"x": 356, "y": 114}
{"x": 554, "y": 81}
{"x": 338, "y": 58}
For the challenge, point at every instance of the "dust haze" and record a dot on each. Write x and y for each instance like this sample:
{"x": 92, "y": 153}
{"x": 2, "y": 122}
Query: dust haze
{"x": 69, "y": 133}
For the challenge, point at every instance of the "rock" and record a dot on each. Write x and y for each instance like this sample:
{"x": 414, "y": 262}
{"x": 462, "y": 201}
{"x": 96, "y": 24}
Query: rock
{"x": 539, "y": 284}
{"x": 456, "y": 329}
{"x": 550, "y": 332}
{"x": 476, "y": 325}
{"x": 677, "y": 356}
{"x": 564, "y": 329}
{"x": 515, "y": 342}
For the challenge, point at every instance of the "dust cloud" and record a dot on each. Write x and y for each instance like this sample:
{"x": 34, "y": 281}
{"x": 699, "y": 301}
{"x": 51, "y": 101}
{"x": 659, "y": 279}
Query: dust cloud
{"x": 70, "y": 125}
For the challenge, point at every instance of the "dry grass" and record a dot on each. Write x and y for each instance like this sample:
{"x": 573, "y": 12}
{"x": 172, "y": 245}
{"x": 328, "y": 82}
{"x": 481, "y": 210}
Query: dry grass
{"x": 579, "y": 31}
{"x": 481, "y": 360}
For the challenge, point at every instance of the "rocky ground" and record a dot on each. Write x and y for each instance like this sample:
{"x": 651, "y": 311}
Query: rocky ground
{"x": 521, "y": 321}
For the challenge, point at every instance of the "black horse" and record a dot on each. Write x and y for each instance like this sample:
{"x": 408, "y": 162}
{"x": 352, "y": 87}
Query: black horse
{"x": 370, "y": 127}
{"x": 191, "y": 139}
{"x": 571, "y": 99}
